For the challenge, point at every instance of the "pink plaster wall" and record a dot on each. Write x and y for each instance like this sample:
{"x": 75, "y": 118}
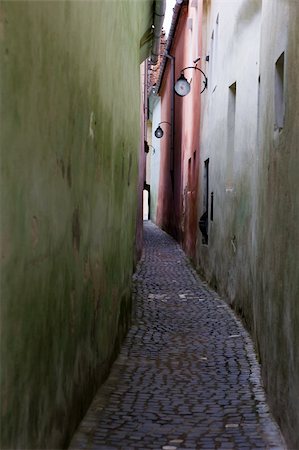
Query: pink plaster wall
{"x": 177, "y": 209}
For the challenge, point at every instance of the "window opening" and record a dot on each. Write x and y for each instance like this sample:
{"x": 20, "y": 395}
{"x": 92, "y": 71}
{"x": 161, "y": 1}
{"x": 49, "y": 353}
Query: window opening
{"x": 231, "y": 125}
{"x": 212, "y": 207}
{"x": 204, "y": 222}
{"x": 279, "y": 93}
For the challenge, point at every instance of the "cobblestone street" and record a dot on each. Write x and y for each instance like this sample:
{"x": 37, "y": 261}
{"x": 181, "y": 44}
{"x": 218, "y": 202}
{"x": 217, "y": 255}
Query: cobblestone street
{"x": 187, "y": 376}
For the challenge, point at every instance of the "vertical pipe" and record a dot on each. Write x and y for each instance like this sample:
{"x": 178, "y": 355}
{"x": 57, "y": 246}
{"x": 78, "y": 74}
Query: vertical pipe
{"x": 159, "y": 13}
{"x": 172, "y": 117}
{"x": 145, "y": 98}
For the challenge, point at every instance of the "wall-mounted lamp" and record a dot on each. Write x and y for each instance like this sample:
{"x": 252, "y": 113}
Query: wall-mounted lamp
{"x": 154, "y": 150}
{"x": 182, "y": 86}
{"x": 159, "y": 132}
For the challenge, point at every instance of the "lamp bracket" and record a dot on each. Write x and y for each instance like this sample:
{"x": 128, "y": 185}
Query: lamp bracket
{"x": 205, "y": 81}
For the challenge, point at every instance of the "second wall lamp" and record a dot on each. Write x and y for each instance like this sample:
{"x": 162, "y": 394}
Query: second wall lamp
{"x": 159, "y": 132}
{"x": 182, "y": 86}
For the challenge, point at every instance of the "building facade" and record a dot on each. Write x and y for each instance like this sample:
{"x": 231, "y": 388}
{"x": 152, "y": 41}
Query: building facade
{"x": 249, "y": 184}
{"x": 175, "y": 209}
{"x": 70, "y": 140}
{"x": 236, "y": 165}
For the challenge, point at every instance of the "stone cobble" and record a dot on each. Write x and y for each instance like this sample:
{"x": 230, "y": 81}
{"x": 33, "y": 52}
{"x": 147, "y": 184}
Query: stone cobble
{"x": 187, "y": 375}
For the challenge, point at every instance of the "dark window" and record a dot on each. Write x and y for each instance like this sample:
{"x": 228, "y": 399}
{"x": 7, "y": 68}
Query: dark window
{"x": 279, "y": 93}
{"x": 212, "y": 207}
{"x": 204, "y": 219}
{"x": 231, "y": 125}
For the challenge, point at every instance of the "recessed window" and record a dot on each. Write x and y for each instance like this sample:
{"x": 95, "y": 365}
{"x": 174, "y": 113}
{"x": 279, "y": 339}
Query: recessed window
{"x": 206, "y": 186}
{"x": 232, "y": 113}
{"x": 203, "y": 221}
{"x": 231, "y": 125}
{"x": 279, "y": 93}
{"x": 258, "y": 104}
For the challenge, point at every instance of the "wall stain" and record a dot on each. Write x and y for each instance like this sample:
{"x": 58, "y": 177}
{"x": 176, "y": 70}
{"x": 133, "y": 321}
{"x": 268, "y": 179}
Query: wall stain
{"x": 92, "y": 124}
{"x": 39, "y": 259}
{"x": 73, "y": 313}
{"x": 62, "y": 168}
{"x": 5, "y": 245}
{"x": 98, "y": 278}
{"x": 3, "y": 22}
{"x": 69, "y": 174}
{"x": 122, "y": 167}
{"x": 34, "y": 231}
{"x": 76, "y": 230}
{"x": 60, "y": 164}
{"x": 130, "y": 168}
{"x": 87, "y": 270}
{"x": 98, "y": 173}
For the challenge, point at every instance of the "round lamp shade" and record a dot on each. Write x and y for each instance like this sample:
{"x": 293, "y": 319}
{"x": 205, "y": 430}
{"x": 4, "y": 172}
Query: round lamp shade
{"x": 159, "y": 132}
{"x": 182, "y": 87}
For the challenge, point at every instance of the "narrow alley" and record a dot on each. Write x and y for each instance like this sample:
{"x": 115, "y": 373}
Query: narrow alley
{"x": 187, "y": 375}
{"x": 149, "y": 210}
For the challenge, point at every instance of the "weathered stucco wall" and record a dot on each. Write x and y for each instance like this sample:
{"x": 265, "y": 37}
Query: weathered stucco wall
{"x": 178, "y": 181}
{"x": 229, "y": 140}
{"x": 190, "y": 124}
{"x": 169, "y": 208}
{"x": 276, "y": 300}
{"x": 69, "y": 142}
{"x": 252, "y": 252}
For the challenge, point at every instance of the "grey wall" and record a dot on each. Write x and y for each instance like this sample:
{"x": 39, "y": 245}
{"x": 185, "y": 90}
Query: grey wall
{"x": 253, "y": 250}
{"x": 276, "y": 301}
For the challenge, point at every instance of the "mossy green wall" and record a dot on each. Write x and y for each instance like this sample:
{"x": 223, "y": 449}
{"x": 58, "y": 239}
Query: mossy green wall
{"x": 69, "y": 143}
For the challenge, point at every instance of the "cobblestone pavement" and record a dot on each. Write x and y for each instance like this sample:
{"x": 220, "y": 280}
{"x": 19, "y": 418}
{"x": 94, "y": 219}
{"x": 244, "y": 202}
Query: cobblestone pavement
{"x": 187, "y": 376}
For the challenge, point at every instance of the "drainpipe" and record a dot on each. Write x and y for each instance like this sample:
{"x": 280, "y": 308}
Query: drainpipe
{"x": 172, "y": 76}
{"x": 145, "y": 99}
{"x": 159, "y": 13}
